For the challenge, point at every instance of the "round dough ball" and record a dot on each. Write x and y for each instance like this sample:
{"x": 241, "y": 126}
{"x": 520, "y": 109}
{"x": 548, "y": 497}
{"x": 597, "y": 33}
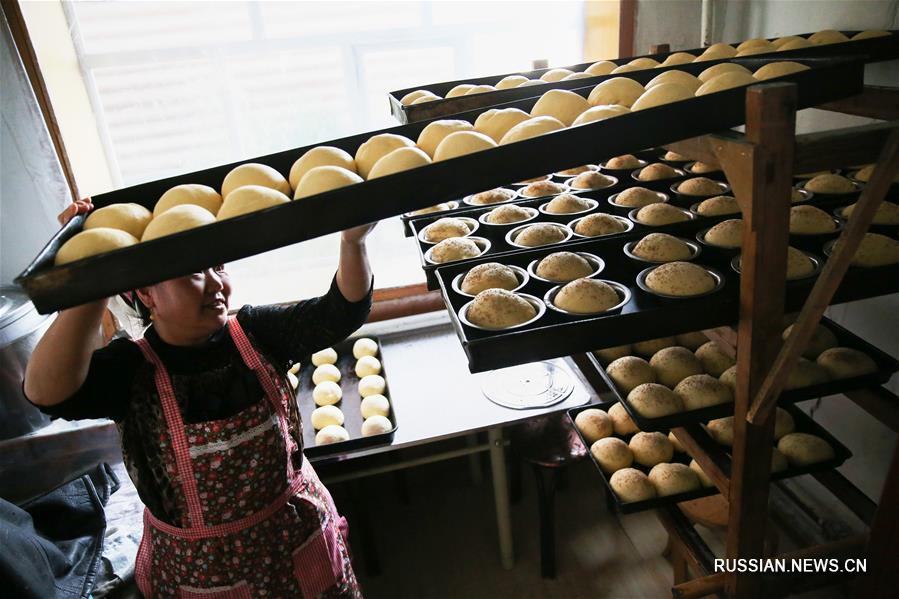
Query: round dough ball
{"x": 625, "y": 68}
{"x": 783, "y": 423}
{"x": 367, "y": 365}
{"x": 699, "y": 186}
{"x": 720, "y": 69}
{"x": 829, "y": 183}
{"x": 671, "y": 479}
{"x": 870, "y": 33}
{"x": 875, "y": 250}
{"x": 621, "y": 420}
{"x": 726, "y": 234}
{"x": 499, "y": 309}
{"x": 325, "y": 356}
{"x": 678, "y": 58}
{"x": 782, "y": 41}
{"x": 722, "y": 430}
{"x": 618, "y": 90}
{"x": 796, "y": 44}
{"x": 599, "y": 224}
{"x": 455, "y": 248}
{"x": 714, "y": 360}
{"x": 561, "y": 267}
{"x": 484, "y": 117}
{"x": 562, "y": 104}
{"x": 501, "y": 121}
{"x": 411, "y": 97}
{"x": 691, "y": 341}
{"x": 778, "y": 460}
{"x": 663, "y": 93}
{"x": 612, "y": 454}
{"x": 592, "y": 180}
{"x": 594, "y": 425}
{"x": 865, "y": 173}
{"x": 603, "y": 67}
{"x": 254, "y": 174}
{"x": 808, "y": 220}
{"x": 247, "y": 199}
{"x": 599, "y": 113}
{"x": 704, "y": 479}
{"x": 649, "y": 347}
{"x": 828, "y": 36}
{"x": 610, "y": 354}
{"x": 674, "y": 364}
{"x": 461, "y": 143}
{"x": 426, "y": 98}
{"x": 682, "y": 78}
{"x": 650, "y": 449}
{"x": 442, "y": 207}
{"x": 725, "y": 81}
{"x": 189, "y": 193}
{"x": 553, "y": 75}
{"x": 574, "y": 76}
{"x": 540, "y": 234}
{"x": 461, "y": 90}
{"x": 845, "y": 362}
{"x": 321, "y": 179}
{"x": 644, "y": 62}
{"x": 446, "y": 228}
{"x": 822, "y": 339}
{"x": 717, "y": 52}
{"x": 320, "y": 156}
{"x": 701, "y": 167}
{"x": 325, "y": 372}
{"x": 374, "y": 405}
{"x": 364, "y": 346}
{"x": 805, "y": 374}
{"x": 490, "y": 275}
{"x": 631, "y": 485}
{"x": 180, "y": 218}
{"x": 327, "y": 393}
{"x": 541, "y": 188}
{"x": 511, "y": 81}
{"x": 887, "y": 213}
{"x": 326, "y": 416}
{"x": 657, "y": 171}
{"x": 681, "y": 279}
{"x": 508, "y": 215}
{"x": 729, "y": 378}
{"x": 480, "y": 89}
{"x": 778, "y": 69}
{"x": 627, "y": 161}
{"x": 130, "y": 218}
{"x": 567, "y": 203}
{"x": 531, "y": 82}
{"x": 661, "y": 247}
{"x": 702, "y": 391}
{"x": 652, "y": 400}
{"x": 331, "y": 434}
{"x": 630, "y": 372}
{"x": 638, "y": 197}
{"x": 660, "y": 214}
{"x": 373, "y": 384}
{"x": 375, "y": 148}
{"x": 376, "y": 425}
{"x": 799, "y": 265}
{"x": 538, "y": 125}
{"x": 92, "y": 242}
{"x": 492, "y": 196}
{"x": 803, "y": 449}
{"x": 755, "y": 43}
{"x": 431, "y": 136}
{"x": 397, "y": 161}
{"x": 586, "y": 296}
{"x": 718, "y": 206}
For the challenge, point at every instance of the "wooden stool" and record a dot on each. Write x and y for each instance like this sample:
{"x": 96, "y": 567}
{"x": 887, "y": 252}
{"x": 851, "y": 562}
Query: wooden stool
{"x": 549, "y": 444}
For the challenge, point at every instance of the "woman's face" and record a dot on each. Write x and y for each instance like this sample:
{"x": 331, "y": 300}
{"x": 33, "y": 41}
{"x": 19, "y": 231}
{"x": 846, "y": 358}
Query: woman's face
{"x": 190, "y": 307}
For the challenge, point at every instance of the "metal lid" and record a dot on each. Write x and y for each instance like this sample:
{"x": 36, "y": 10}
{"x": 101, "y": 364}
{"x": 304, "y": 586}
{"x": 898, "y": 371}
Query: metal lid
{"x": 535, "y": 385}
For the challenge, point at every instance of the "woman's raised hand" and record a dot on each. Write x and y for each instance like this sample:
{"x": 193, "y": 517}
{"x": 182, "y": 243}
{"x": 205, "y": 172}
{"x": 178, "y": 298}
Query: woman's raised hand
{"x": 75, "y": 208}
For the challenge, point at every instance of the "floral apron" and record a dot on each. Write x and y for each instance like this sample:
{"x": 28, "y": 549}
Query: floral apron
{"x": 255, "y": 527}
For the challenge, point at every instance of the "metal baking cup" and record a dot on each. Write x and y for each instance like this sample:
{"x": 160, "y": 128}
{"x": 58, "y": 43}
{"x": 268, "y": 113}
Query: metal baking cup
{"x": 641, "y": 283}
{"x": 522, "y": 274}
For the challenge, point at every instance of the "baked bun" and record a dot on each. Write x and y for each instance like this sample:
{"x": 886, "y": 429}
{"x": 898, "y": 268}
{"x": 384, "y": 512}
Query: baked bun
{"x": 455, "y": 248}
{"x": 618, "y": 90}
{"x": 638, "y": 197}
{"x": 702, "y": 391}
{"x": 682, "y": 279}
{"x": 829, "y": 183}
{"x": 674, "y": 364}
{"x": 659, "y": 215}
{"x": 718, "y": 206}
{"x": 561, "y": 267}
{"x": 567, "y": 203}
{"x": 845, "y": 362}
{"x": 657, "y": 171}
{"x": 490, "y": 275}
{"x": 509, "y": 214}
{"x": 808, "y": 220}
{"x": 699, "y": 186}
{"x": 714, "y": 359}
{"x": 540, "y": 234}
{"x": 661, "y": 247}
{"x": 671, "y": 479}
{"x": 599, "y": 224}
{"x": 630, "y": 372}
{"x": 499, "y": 309}
{"x": 726, "y": 234}
{"x": 621, "y": 420}
{"x": 652, "y": 400}
{"x": 650, "y": 449}
{"x": 445, "y": 228}
{"x": 803, "y": 449}
{"x": 586, "y": 296}
{"x": 631, "y": 485}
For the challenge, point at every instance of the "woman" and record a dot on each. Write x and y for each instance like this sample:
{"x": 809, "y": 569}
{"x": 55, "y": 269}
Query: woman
{"x": 210, "y": 430}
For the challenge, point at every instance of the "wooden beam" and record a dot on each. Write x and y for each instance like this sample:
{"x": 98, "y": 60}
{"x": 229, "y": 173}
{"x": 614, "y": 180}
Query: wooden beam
{"x": 839, "y": 147}
{"x": 850, "y": 495}
{"x": 699, "y": 587}
{"x": 882, "y": 577}
{"x": 627, "y": 22}
{"x": 406, "y": 306}
{"x": 725, "y": 337}
{"x": 874, "y": 102}
{"x": 686, "y": 540}
{"x": 879, "y": 402}
{"x": 659, "y": 49}
{"x": 707, "y": 454}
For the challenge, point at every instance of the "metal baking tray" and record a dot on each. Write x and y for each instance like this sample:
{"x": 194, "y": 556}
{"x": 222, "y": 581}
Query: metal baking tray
{"x": 349, "y": 405}
{"x": 886, "y": 366}
{"x": 52, "y": 288}
{"x": 873, "y": 50}
{"x": 644, "y": 316}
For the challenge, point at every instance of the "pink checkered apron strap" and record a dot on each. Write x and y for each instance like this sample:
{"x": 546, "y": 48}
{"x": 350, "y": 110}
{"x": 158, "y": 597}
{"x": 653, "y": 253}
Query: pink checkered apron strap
{"x": 175, "y": 425}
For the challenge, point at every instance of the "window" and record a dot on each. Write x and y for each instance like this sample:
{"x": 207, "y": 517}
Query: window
{"x": 145, "y": 90}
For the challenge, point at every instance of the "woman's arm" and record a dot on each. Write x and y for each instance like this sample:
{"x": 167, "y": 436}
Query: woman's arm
{"x": 353, "y": 270}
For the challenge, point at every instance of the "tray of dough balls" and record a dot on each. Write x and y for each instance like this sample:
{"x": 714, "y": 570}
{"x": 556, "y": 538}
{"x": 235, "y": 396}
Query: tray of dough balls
{"x": 155, "y": 231}
{"x": 673, "y": 381}
{"x": 439, "y": 99}
{"x": 344, "y": 399}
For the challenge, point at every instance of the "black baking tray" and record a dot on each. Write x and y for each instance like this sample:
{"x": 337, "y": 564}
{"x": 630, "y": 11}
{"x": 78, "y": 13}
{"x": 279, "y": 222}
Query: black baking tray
{"x": 645, "y": 316}
{"x": 349, "y": 405}
{"x": 52, "y": 288}
{"x": 873, "y": 50}
{"x": 886, "y": 366}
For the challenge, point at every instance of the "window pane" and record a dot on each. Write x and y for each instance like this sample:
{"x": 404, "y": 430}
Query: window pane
{"x": 296, "y": 19}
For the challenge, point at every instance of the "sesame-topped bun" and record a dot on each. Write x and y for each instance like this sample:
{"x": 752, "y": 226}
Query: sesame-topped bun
{"x": 799, "y": 265}
{"x": 508, "y": 214}
{"x": 540, "y": 234}
{"x": 829, "y": 183}
{"x": 662, "y": 247}
{"x": 654, "y": 401}
{"x": 490, "y": 275}
{"x": 845, "y": 362}
{"x": 445, "y": 228}
{"x": 674, "y": 364}
{"x": 542, "y": 188}
{"x": 810, "y": 220}
{"x": 875, "y": 250}
{"x": 637, "y": 197}
{"x": 567, "y": 203}
{"x": 629, "y": 372}
{"x": 561, "y": 267}
{"x": 657, "y": 171}
{"x": 492, "y": 196}
{"x": 822, "y": 339}
{"x": 864, "y": 174}
{"x": 657, "y": 215}
{"x": 671, "y": 479}
{"x": 586, "y": 296}
{"x": 631, "y": 485}
{"x": 699, "y": 186}
{"x": 887, "y": 213}
{"x": 726, "y": 234}
{"x": 592, "y": 180}
{"x": 651, "y": 448}
{"x": 454, "y": 248}
{"x": 596, "y": 225}
{"x": 718, "y": 206}
{"x": 622, "y": 162}
{"x": 499, "y": 309}
{"x": 682, "y": 279}
{"x": 701, "y": 391}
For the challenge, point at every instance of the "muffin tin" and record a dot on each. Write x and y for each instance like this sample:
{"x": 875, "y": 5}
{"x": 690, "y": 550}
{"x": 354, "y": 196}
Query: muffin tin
{"x": 350, "y": 404}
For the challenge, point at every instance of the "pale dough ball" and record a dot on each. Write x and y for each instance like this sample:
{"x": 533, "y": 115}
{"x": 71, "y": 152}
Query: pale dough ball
{"x": 531, "y": 82}
{"x": 675, "y": 443}
{"x": 699, "y": 186}
{"x": 704, "y": 479}
{"x": 325, "y": 356}
{"x": 782, "y": 41}
{"x": 805, "y": 374}
{"x": 822, "y": 339}
{"x": 484, "y": 117}
{"x": 649, "y": 347}
{"x": 778, "y": 69}
{"x": 177, "y": 219}
{"x": 652, "y": 400}
{"x": 722, "y": 430}
{"x": 621, "y": 420}
{"x": 376, "y": 147}
{"x": 828, "y": 36}
{"x": 561, "y": 267}
{"x": 638, "y": 197}
{"x": 540, "y": 234}
{"x": 507, "y": 215}
{"x": 592, "y": 180}
{"x": 461, "y": 143}
{"x": 586, "y": 296}
{"x": 130, "y": 218}
{"x": 454, "y": 248}
{"x": 754, "y": 51}
{"x": 729, "y": 378}
{"x": 459, "y": 90}
{"x": 803, "y": 449}
{"x": 411, "y": 97}
{"x": 610, "y": 354}
{"x": 625, "y": 68}
{"x": 324, "y": 178}
{"x": 255, "y": 174}
{"x": 657, "y": 171}
{"x": 510, "y": 81}
{"x": 426, "y": 98}
{"x": 599, "y": 224}
{"x": 796, "y": 44}
{"x": 783, "y": 423}
{"x": 674, "y": 364}
{"x": 600, "y": 113}
{"x": 480, "y": 89}
{"x": 650, "y": 449}
{"x": 375, "y": 405}
{"x": 720, "y": 69}
{"x": 603, "y": 67}
{"x": 533, "y": 127}
{"x": 625, "y": 161}
{"x": 492, "y": 196}
{"x": 373, "y": 384}
{"x": 671, "y": 479}
{"x": 327, "y": 393}
{"x": 376, "y": 425}
{"x": 325, "y": 372}
{"x": 754, "y": 43}
{"x": 367, "y": 365}
{"x": 682, "y": 279}
{"x": 612, "y": 454}
{"x": 490, "y": 275}
{"x": 718, "y": 206}
{"x": 562, "y": 104}
{"x": 244, "y": 200}
{"x": 702, "y": 391}
{"x": 682, "y": 78}
{"x": 692, "y": 341}
{"x": 574, "y": 76}
{"x": 660, "y": 214}
{"x": 93, "y": 242}
{"x": 326, "y": 416}
{"x": 629, "y": 372}
{"x": 446, "y": 228}
{"x": 397, "y": 161}
{"x": 678, "y": 58}
{"x": 870, "y": 33}
{"x": 845, "y": 362}
{"x": 725, "y": 81}
{"x": 553, "y": 75}
{"x": 594, "y": 424}
{"x": 541, "y": 188}
{"x": 431, "y": 136}
{"x": 293, "y": 380}
{"x": 189, "y": 193}
{"x": 663, "y": 93}
{"x": 714, "y": 360}
{"x": 331, "y": 434}
{"x": 320, "y": 156}
{"x": 631, "y": 485}
{"x": 365, "y": 347}
{"x": 644, "y": 63}
{"x": 726, "y": 234}
{"x": 618, "y": 90}
{"x": 887, "y": 213}
{"x": 717, "y": 52}
{"x": 501, "y": 121}
{"x": 499, "y": 309}
{"x": 661, "y": 247}
{"x": 567, "y": 203}
{"x": 810, "y": 220}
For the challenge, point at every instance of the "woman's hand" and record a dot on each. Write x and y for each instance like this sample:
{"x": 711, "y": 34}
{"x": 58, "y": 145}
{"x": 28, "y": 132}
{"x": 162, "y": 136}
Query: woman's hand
{"x": 75, "y": 208}
{"x": 357, "y": 234}
{"x": 354, "y": 271}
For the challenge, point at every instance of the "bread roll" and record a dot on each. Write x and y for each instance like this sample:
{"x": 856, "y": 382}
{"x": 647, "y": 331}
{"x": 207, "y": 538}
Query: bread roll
{"x": 510, "y": 214}
{"x": 533, "y": 127}
{"x": 870, "y": 33}
{"x": 624, "y": 68}
{"x": 661, "y": 247}
{"x": 649, "y": 347}
{"x": 254, "y": 174}
{"x": 603, "y": 67}
{"x": 611, "y": 453}
{"x": 755, "y": 43}
{"x": 714, "y": 359}
{"x": 627, "y": 161}
{"x": 586, "y": 296}
{"x": 553, "y": 75}
{"x": 650, "y": 449}
{"x": 377, "y": 146}
{"x": 561, "y": 267}
{"x": 331, "y": 434}
{"x": 501, "y": 121}
{"x": 718, "y": 206}
{"x": 699, "y": 186}
{"x": 610, "y": 354}
{"x": 374, "y": 405}
{"x": 803, "y": 449}
{"x": 725, "y": 81}
{"x": 783, "y": 423}
{"x": 805, "y": 374}
{"x": 426, "y": 98}
{"x": 130, "y": 218}
{"x": 326, "y": 416}
{"x": 567, "y": 203}
{"x": 461, "y": 143}
{"x": 671, "y": 479}
{"x": 412, "y": 96}
{"x": 828, "y": 36}
{"x": 682, "y": 78}
{"x": 540, "y": 234}
{"x": 663, "y": 93}
{"x": 875, "y": 250}
{"x": 644, "y": 62}
{"x": 702, "y": 391}
{"x": 630, "y": 372}
{"x": 490, "y": 275}
{"x": 181, "y": 218}
{"x": 320, "y": 156}
{"x": 327, "y": 393}
{"x": 674, "y": 364}
{"x": 499, "y": 309}
{"x": 682, "y": 279}
{"x": 717, "y": 52}
{"x": 364, "y": 347}
{"x": 325, "y": 372}
{"x": 621, "y": 420}
{"x": 592, "y": 180}
{"x": 778, "y": 69}
{"x": 704, "y": 479}
{"x": 599, "y": 224}
{"x": 321, "y": 179}
{"x": 638, "y": 197}
{"x": 399, "y": 160}
{"x": 561, "y": 104}
{"x": 325, "y": 356}
{"x": 657, "y": 171}
{"x": 594, "y": 424}
{"x": 781, "y": 41}
{"x": 808, "y": 220}
{"x": 845, "y": 362}
{"x": 492, "y": 196}
{"x": 600, "y": 113}
{"x": 93, "y": 242}
{"x": 631, "y": 485}
{"x": 461, "y": 90}
{"x": 726, "y": 234}
{"x": 887, "y": 213}
{"x": 796, "y": 44}
{"x": 431, "y": 136}
{"x": 189, "y": 193}
{"x": 618, "y": 90}
{"x": 658, "y": 215}
{"x": 480, "y": 89}
{"x": 541, "y": 188}
{"x": 692, "y": 341}
{"x": 652, "y": 400}
{"x": 445, "y": 228}
{"x": 722, "y": 430}
{"x": 454, "y": 248}
{"x": 373, "y": 384}
{"x": 376, "y": 425}
{"x": 367, "y": 365}
{"x": 510, "y": 81}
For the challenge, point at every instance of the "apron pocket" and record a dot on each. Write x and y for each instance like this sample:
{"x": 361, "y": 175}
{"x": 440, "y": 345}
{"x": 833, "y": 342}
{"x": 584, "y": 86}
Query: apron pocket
{"x": 317, "y": 563}
{"x": 239, "y": 591}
